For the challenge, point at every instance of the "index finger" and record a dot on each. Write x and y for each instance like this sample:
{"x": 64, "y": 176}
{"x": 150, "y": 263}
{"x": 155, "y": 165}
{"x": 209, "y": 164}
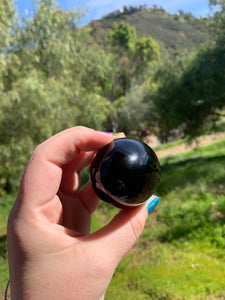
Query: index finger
{"x": 42, "y": 176}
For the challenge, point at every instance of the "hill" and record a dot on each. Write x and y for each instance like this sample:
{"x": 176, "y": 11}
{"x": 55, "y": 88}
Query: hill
{"x": 177, "y": 32}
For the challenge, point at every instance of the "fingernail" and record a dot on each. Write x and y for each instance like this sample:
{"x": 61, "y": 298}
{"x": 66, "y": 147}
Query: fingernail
{"x": 152, "y": 205}
{"x": 107, "y": 132}
{"x": 119, "y": 133}
{"x": 113, "y": 134}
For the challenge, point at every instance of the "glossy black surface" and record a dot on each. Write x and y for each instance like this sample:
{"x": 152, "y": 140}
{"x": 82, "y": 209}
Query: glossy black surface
{"x": 125, "y": 172}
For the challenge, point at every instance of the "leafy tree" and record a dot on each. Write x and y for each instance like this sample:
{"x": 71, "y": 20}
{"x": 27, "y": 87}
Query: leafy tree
{"x": 123, "y": 35}
{"x": 147, "y": 49}
{"x": 181, "y": 13}
{"x": 8, "y": 22}
{"x": 125, "y": 10}
{"x": 191, "y": 92}
{"x": 162, "y": 116}
{"x": 147, "y": 52}
{"x": 52, "y": 77}
{"x": 218, "y": 23}
{"x": 190, "y": 97}
{"x": 133, "y": 111}
{"x": 8, "y": 25}
{"x": 50, "y": 33}
{"x": 131, "y": 63}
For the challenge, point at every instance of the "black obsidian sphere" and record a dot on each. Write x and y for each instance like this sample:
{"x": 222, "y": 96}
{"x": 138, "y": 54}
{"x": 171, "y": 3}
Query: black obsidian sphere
{"x": 125, "y": 172}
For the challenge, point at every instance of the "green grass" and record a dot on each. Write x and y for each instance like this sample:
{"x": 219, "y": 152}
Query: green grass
{"x": 6, "y": 203}
{"x": 165, "y": 271}
{"x": 193, "y": 173}
{"x": 169, "y": 145}
{"x": 180, "y": 255}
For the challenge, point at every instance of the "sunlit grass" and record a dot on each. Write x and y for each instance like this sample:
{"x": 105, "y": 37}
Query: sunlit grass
{"x": 165, "y": 271}
{"x": 170, "y": 145}
{"x": 180, "y": 254}
{"x": 199, "y": 171}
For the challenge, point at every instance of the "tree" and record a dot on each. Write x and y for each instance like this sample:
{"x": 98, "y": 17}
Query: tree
{"x": 147, "y": 49}
{"x": 133, "y": 111}
{"x": 50, "y": 33}
{"x": 123, "y": 35}
{"x": 52, "y": 77}
{"x": 218, "y": 23}
{"x": 189, "y": 99}
{"x": 8, "y": 22}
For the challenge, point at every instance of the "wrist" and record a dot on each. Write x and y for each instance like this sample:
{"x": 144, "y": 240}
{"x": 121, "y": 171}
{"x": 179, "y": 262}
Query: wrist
{"x": 6, "y": 290}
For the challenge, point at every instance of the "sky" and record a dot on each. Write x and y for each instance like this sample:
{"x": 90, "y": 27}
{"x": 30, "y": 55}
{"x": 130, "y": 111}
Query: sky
{"x": 98, "y": 8}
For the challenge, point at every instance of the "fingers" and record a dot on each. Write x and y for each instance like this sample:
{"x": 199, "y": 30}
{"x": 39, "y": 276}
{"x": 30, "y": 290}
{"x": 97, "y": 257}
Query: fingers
{"x": 76, "y": 216}
{"x": 77, "y": 209}
{"x": 43, "y": 174}
{"x": 121, "y": 233}
{"x": 70, "y": 178}
{"x": 88, "y": 197}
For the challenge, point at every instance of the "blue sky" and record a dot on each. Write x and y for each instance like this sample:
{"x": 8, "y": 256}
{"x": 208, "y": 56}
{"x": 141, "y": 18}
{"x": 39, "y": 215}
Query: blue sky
{"x": 98, "y": 8}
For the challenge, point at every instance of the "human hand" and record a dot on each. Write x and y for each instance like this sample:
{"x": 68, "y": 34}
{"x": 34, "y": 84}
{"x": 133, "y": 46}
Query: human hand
{"x": 51, "y": 253}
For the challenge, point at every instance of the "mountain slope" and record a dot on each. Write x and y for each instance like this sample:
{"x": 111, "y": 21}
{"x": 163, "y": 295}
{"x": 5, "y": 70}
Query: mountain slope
{"x": 175, "y": 32}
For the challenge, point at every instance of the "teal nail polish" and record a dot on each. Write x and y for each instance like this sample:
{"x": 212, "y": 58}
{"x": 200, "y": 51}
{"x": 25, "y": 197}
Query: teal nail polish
{"x": 152, "y": 205}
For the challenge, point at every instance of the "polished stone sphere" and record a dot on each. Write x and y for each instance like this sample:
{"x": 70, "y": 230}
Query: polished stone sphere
{"x": 125, "y": 172}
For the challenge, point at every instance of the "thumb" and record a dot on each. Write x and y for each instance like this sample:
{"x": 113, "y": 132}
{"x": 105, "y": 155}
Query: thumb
{"x": 121, "y": 233}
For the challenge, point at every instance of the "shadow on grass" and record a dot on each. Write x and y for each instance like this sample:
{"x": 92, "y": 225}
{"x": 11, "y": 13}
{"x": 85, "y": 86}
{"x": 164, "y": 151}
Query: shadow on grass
{"x": 207, "y": 172}
{"x": 200, "y": 218}
{"x": 199, "y": 221}
{"x": 198, "y": 210}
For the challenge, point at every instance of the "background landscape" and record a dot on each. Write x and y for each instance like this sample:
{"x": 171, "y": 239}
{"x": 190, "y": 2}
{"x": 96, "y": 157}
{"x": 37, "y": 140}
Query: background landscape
{"x": 135, "y": 69}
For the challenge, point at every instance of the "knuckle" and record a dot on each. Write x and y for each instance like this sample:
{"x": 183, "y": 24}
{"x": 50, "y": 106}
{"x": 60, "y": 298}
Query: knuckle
{"x": 37, "y": 152}
{"x": 137, "y": 227}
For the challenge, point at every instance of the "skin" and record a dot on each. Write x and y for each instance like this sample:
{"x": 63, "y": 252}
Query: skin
{"x": 51, "y": 253}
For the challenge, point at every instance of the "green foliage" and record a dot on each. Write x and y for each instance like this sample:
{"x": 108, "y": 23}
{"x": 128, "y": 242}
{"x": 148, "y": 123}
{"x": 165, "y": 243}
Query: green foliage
{"x": 133, "y": 9}
{"x": 8, "y": 21}
{"x": 132, "y": 112}
{"x": 52, "y": 77}
{"x": 132, "y": 59}
{"x": 123, "y": 35}
{"x": 191, "y": 93}
{"x": 218, "y": 22}
{"x": 146, "y": 49}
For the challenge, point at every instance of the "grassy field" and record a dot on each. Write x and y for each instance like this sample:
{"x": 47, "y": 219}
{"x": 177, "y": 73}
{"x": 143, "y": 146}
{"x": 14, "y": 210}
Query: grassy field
{"x": 180, "y": 254}
{"x": 6, "y": 202}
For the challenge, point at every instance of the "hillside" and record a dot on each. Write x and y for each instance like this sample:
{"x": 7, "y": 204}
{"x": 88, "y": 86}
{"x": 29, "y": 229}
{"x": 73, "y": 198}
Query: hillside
{"x": 176, "y": 32}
